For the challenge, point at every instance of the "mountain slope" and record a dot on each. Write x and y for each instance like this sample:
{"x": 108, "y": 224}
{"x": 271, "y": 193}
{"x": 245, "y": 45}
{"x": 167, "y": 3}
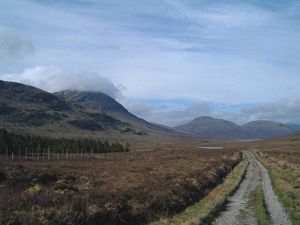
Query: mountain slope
{"x": 26, "y": 109}
{"x": 14, "y": 93}
{"x": 23, "y": 105}
{"x": 294, "y": 127}
{"x": 93, "y": 100}
{"x": 208, "y": 127}
{"x": 96, "y": 102}
{"x": 266, "y": 129}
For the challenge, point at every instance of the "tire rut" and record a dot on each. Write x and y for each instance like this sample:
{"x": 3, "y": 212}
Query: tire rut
{"x": 238, "y": 213}
{"x": 274, "y": 207}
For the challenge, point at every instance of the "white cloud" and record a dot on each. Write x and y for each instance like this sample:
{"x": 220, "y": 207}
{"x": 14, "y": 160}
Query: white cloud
{"x": 284, "y": 111}
{"x": 221, "y": 14}
{"x": 167, "y": 115}
{"x": 53, "y": 79}
{"x": 12, "y": 46}
{"x": 214, "y": 51}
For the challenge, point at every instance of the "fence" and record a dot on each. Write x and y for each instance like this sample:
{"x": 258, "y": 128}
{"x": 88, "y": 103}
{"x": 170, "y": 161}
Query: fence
{"x": 48, "y": 155}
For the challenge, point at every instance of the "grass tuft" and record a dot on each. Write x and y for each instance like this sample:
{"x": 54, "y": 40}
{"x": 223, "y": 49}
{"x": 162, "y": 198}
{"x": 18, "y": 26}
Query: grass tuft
{"x": 261, "y": 212}
{"x": 36, "y": 189}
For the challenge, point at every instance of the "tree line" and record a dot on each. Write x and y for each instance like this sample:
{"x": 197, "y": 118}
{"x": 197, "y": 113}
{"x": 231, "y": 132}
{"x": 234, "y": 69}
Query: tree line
{"x": 19, "y": 144}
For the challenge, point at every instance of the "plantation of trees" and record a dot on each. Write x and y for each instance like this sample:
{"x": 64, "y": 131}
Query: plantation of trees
{"x": 11, "y": 143}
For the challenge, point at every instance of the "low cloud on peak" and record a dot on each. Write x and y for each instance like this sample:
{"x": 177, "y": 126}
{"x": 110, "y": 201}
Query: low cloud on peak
{"x": 54, "y": 79}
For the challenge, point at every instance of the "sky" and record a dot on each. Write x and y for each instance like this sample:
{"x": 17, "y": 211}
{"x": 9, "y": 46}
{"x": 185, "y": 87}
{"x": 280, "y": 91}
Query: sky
{"x": 167, "y": 61}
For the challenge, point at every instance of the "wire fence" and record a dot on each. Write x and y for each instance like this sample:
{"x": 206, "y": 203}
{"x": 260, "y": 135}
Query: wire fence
{"x": 48, "y": 155}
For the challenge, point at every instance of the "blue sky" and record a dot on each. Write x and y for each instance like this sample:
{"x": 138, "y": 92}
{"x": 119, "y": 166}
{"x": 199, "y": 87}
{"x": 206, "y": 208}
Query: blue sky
{"x": 166, "y": 60}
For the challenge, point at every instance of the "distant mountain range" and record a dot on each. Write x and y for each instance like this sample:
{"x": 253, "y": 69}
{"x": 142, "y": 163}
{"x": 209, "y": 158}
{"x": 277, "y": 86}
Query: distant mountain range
{"x": 212, "y": 128}
{"x": 26, "y": 109}
{"x": 69, "y": 113}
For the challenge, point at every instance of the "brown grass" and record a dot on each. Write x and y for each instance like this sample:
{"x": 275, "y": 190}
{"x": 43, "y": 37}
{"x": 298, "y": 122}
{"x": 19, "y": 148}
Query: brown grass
{"x": 205, "y": 210}
{"x": 129, "y": 191}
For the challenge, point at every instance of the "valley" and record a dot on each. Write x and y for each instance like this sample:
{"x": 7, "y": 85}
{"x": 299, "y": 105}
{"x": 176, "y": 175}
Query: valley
{"x": 81, "y": 158}
{"x": 164, "y": 112}
{"x": 127, "y": 190}
{"x": 81, "y": 114}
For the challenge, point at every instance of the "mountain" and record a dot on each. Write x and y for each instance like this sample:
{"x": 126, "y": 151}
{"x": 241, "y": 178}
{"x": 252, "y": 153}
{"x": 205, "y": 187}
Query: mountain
{"x": 209, "y": 127}
{"x": 212, "y": 128}
{"x": 26, "y": 109}
{"x": 97, "y": 102}
{"x": 22, "y": 105}
{"x": 16, "y": 93}
{"x": 93, "y": 100}
{"x": 294, "y": 127}
{"x": 266, "y": 129}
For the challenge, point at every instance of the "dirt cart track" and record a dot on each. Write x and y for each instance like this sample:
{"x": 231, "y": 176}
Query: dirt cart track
{"x": 256, "y": 174}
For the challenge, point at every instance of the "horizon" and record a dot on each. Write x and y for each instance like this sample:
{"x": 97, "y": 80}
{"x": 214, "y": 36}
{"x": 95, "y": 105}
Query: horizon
{"x": 167, "y": 62}
{"x": 202, "y": 116}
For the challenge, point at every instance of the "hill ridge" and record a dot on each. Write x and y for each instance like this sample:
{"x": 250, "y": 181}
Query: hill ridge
{"x": 27, "y": 109}
{"x": 210, "y": 127}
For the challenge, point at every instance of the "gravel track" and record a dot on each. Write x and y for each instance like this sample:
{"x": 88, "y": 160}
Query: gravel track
{"x": 237, "y": 212}
{"x": 277, "y": 213}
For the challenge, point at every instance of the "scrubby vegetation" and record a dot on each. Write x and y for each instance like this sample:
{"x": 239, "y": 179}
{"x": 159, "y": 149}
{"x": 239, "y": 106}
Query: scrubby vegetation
{"x": 204, "y": 211}
{"x": 111, "y": 192}
{"x": 19, "y": 144}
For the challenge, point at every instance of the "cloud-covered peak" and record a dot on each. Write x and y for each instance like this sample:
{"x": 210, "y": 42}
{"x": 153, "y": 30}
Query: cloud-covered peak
{"x": 53, "y": 79}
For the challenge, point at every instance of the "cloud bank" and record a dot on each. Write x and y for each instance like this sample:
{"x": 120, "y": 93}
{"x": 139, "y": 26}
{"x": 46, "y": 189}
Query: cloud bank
{"x": 163, "y": 115}
{"x": 53, "y": 79}
{"x": 284, "y": 111}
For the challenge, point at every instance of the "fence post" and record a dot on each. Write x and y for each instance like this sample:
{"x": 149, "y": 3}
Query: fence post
{"x": 26, "y": 153}
{"x": 6, "y": 153}
{"x": 48, "y": 153}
